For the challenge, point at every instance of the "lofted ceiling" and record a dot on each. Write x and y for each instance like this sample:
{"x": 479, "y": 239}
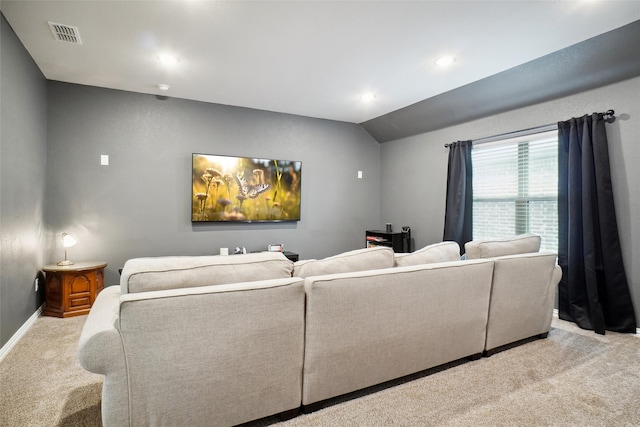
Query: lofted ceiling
{"x": 311, "y": 58}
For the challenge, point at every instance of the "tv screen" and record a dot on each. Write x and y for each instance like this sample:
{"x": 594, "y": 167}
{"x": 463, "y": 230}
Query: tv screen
{"x": 243, "y": 189}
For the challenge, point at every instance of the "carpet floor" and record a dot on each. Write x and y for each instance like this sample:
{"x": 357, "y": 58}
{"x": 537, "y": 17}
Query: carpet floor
{"x": 572, "y": 378}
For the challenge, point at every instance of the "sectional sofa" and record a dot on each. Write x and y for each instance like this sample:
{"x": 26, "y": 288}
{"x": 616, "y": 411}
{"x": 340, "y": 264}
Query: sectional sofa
{"x": 213, "y": 340}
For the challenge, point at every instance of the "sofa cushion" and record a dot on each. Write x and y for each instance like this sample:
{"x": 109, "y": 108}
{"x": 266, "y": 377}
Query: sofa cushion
{"x": 357, "y": 260}
{"x": 153, "y": 274}
{"x": 520, "y": 244}
{"x": 438, "y": 252}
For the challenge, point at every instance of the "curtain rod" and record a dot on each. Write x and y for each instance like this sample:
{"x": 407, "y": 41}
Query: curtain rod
{"x": 524, "y": 131}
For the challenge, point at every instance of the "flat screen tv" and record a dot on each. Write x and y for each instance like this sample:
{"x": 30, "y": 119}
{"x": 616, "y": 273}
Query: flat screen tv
{"x": 243, "y": 189}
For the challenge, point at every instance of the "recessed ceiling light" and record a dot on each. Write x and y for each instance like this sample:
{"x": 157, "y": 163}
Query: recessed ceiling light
{"x": 163, "y": 86}
{"x": 368, "y": 97}
{"x": 445, "y": 61}
{"x": 167, "y": 59}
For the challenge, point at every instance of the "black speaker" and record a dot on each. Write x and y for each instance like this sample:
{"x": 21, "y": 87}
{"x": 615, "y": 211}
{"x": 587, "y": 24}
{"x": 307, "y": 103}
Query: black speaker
{"x": 407, "y": 242}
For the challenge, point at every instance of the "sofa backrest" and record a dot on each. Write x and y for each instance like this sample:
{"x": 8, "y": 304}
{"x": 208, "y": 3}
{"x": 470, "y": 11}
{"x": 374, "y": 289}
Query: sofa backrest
{"x": 196, "y": 355}
{"x": 520, "y": 244}
{"x": 158, "y": 273}
{"x": 356, "y": 260}
{"x": 438, "y": 252}
{"x": 368, "y": 327}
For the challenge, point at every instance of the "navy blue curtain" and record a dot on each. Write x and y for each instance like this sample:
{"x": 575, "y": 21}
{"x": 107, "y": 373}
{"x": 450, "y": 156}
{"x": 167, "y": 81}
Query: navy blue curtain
{"x": 458, "y": 219}
{"x": 593, "y": 292}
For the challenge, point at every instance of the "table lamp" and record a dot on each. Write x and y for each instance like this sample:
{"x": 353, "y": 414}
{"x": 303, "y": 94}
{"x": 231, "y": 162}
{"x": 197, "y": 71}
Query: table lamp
{"x": 67, "y": 241}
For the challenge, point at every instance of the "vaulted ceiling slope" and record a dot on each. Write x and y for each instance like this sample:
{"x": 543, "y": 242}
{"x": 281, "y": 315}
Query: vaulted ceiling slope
{"x": 611, "y": 57}
{"x": 317, "y": 58}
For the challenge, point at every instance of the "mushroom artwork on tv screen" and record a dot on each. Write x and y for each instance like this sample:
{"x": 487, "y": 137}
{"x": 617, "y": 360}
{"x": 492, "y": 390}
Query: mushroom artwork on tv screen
{"x": 244, "y": 189}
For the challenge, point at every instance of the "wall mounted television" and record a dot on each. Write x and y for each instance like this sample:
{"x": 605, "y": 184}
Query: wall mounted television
{"x": 244, "y": 189}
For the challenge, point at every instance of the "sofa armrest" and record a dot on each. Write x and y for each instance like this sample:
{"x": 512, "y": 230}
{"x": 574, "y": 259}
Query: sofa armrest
{"x": 100, "y": 347}
{"x": 522, "y": 297}
{"x": 100, "y": 350}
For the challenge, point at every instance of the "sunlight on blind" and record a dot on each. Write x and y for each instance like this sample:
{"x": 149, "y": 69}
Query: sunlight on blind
{"x": 515, "y": 188}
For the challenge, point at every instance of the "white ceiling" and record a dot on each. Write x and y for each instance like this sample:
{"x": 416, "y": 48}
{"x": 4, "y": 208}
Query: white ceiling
{"x": 312, "y": 58}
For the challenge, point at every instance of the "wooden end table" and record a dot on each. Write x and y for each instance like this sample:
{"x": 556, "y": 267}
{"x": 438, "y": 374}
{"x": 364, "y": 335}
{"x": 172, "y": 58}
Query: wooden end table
{"x": 70, "y": 290}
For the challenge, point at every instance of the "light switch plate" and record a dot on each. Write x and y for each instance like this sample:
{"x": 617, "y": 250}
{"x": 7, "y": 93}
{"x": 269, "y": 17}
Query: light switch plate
{"x": 104, "y": 160}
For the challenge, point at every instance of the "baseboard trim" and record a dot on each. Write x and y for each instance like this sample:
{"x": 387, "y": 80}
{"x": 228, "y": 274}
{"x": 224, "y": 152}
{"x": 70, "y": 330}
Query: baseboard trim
{"x": 555, "y": 316}
{"x": 19, "y": 333}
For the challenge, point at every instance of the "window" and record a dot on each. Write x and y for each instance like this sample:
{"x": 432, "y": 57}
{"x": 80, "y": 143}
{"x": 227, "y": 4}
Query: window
{"x": 515, "y": 188}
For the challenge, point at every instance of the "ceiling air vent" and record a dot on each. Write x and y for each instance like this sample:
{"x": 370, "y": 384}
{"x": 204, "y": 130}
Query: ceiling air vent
{"x": 65, "y": 33}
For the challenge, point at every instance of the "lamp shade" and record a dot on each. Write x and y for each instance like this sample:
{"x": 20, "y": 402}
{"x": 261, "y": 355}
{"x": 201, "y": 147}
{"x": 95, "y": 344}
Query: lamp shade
{"x": 68, "y": 240}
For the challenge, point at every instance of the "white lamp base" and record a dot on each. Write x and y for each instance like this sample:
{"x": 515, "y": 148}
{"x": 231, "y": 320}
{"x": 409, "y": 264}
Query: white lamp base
{"x": 65, "y": 262}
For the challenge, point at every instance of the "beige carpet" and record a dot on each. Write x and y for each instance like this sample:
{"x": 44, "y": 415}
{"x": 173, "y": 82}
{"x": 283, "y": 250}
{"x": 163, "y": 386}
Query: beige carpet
{"x": 573, "y": 378}
{"x": 42, "y": 383}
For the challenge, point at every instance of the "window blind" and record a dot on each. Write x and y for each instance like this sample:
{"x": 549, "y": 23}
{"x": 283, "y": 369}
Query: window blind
{"x": 515, "y": 188}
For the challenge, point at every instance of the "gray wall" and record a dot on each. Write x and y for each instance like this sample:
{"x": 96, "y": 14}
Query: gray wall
{"x": 140, "y": 205}
{"x": 414, "y": 169}
{"x": 23, "y": 139}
